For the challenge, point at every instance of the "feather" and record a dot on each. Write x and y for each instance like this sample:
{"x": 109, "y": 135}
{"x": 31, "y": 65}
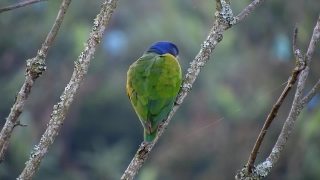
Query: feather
{"x": 153, "y": 82}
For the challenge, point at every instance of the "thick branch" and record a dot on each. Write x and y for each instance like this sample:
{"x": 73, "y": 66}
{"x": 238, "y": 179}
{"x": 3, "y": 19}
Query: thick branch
{"x": 224, "y": 20}
{"x": 265, "y": 167}
{"x": 61, "y": 109}
{"x": 35, "y": 67}
{"x": 19, "y": 5}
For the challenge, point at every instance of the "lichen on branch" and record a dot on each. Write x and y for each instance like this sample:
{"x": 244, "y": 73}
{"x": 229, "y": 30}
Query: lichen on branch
{"x": 61, "y": 109}
{"x": 35, "y": 67}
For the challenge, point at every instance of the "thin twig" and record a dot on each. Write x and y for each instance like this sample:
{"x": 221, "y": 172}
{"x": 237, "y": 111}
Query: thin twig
{"x": 224, "y": 21}
{"x": 296, "y": 105}
{"x": 19, "y": 5}
{"x": 274, "y": 111}
{"x": 311, "y": 94}
{"x": 295, "y": 38}
{"x": 248, "y": 10}
{"x": 296, "y": 50}
{"x": 61, "y": 109}
{"x": 35, "y": 67}
{"x": 265, "y": 167}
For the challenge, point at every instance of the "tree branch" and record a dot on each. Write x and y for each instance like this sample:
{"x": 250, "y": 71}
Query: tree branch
{"x": 311, "y": 94}
{"x": 248, "y": 10}
{"x": 218, "y": 5}
{"x": 34, "y": 69}
{"x": 274, "y": 111}
{"x": 312, "y": 45}
{"x": 60, "y": 110}
{"x": 19, "y": 5}
{"x": 265, "y": 167}
{"x": 314, "y": 39}
{"x": 224, "y": 20}
{"x": 296, "y": 50}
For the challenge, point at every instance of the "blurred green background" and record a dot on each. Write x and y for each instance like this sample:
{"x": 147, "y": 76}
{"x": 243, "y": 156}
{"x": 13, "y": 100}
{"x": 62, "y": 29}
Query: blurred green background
{"x": 102, "y": 132}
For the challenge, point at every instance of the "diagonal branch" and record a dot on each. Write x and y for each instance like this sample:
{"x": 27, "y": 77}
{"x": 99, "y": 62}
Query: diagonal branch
{"x": 274, "y": 111}
{"x": 265, "y": 167}
{"x": 224, "y": 20}
{"x": 311, "y": 94}
{"x": 35, "y": 67}
{"x": 249, "y": 9}
{"x": 19, "y": 5}
{"x": 314, "y": 39}
{"x": 61, "y": 109}
{"x": 312, "y": 45}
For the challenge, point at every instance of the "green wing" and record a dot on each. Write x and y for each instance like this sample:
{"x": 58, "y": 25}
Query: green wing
{"x": 153, "y": 83}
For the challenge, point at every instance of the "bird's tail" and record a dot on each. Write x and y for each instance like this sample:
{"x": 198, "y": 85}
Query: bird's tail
{"x": 150, "y": 137}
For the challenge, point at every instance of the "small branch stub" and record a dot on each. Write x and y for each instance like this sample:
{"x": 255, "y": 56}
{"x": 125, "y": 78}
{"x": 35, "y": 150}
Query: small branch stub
{"x": 18, "y": 123}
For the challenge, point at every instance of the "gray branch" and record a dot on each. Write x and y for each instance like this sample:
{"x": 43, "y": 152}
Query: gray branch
{"x": 224, "y": 20}
{"x": 314, "y": 40}
{"x": 263, "y": 169}
{"x": 19, "y": 5}
{"x": 300, "y": 65}
{"x": 35, "y": 67}
{"x": 249, "y": 9}
{"x": 311, "y": 94}
{"x": 61, "y": 109}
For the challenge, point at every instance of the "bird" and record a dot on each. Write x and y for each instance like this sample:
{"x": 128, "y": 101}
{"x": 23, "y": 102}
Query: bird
{"x": 153, "y": 83}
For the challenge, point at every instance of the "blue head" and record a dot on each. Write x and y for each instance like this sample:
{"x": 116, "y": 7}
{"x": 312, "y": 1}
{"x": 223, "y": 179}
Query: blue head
{"x": 163, "y": 47}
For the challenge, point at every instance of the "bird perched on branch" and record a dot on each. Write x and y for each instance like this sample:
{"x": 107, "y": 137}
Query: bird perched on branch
{"x": 153, "y": 83}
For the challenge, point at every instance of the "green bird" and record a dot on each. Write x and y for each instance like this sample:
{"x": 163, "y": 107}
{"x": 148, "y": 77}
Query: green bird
{"x": 153, "y": 83}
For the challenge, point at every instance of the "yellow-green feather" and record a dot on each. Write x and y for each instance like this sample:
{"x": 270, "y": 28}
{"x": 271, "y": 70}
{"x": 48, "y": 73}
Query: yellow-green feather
{"x": 153, "y": 82}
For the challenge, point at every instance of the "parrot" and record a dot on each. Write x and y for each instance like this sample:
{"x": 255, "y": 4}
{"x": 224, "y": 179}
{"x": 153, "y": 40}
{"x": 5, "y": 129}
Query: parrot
{"x": 153, "y": 83}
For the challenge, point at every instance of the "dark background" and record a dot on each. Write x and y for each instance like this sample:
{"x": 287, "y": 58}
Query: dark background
{"x": 102, "y": 132}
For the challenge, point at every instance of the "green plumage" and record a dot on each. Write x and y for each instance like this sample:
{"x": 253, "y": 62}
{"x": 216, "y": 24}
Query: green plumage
{"x": 153, "y": 82}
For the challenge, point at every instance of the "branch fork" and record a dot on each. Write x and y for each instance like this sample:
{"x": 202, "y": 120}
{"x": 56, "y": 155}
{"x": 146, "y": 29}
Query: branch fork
{"x": 300, "y": 73}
